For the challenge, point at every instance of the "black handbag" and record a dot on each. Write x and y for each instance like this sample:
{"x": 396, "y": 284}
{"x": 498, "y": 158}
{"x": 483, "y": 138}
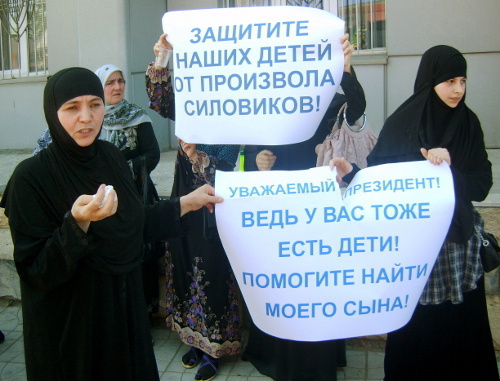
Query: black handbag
{"x": 489, "y": 251}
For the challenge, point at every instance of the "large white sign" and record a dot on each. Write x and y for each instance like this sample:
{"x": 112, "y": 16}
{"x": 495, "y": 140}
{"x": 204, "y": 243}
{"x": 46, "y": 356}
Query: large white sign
{"x": 315, "y": 265}
{"x": 256, "y": 75}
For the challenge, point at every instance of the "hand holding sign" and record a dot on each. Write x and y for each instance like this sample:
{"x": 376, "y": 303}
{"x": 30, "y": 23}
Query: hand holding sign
{"x": 253, "y": 76}
{"x": 315, "y": 265}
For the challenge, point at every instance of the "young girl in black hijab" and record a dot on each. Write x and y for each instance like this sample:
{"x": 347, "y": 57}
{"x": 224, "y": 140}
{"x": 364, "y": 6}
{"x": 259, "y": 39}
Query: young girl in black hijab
{"x": 78, "y": 256}
{"x": 448, "y": 336}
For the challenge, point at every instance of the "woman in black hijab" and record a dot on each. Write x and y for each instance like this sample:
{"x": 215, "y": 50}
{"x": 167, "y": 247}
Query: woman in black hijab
{"x": 77, "y": 255}
{"x": 448, "y": 336}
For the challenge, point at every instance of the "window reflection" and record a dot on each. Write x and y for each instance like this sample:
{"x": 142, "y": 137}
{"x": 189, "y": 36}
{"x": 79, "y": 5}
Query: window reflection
{"x": 365, "y": 19}
{"x": 307, "y": 3}
{"x": 365, "y": 22}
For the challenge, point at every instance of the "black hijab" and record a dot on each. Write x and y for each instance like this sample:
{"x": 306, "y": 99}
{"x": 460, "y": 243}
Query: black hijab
{"x": 424, "y": 120}
{"x": 62, "y": 87}
{"x": 43, "y": 188}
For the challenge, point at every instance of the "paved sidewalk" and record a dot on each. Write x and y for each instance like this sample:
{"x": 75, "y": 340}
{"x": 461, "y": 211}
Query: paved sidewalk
{"x": 363, "y": 363}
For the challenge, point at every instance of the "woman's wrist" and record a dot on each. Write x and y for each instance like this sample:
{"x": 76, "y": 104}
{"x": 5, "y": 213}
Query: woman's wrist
{"x": 84, "y": 225}
{"x": 185, "y": 204}
{"x": 194, "y": 157}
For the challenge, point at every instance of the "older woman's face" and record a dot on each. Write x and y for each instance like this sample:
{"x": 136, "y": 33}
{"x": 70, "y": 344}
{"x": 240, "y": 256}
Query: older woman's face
{"x": 114, "y": 88}
{"x": 82, "y": 118}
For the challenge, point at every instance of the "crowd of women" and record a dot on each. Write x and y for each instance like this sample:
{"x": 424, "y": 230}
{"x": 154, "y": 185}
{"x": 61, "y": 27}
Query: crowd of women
{"x": 87, "y": 259}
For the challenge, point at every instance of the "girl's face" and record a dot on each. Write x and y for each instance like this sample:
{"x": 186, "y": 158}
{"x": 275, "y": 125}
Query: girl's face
{"x": 82, "y": 118}
{"x": 114, "y": 88}
{"x": 451, "y": 91}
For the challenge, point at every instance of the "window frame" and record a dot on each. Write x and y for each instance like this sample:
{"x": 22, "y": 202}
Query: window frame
{"x": 331, "y": 6}
{"x": 19, "y": 63}
{"x": 354, "y": 38}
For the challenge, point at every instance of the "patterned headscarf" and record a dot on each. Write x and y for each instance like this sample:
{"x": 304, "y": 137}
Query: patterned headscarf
{"x": 121, "y": 115}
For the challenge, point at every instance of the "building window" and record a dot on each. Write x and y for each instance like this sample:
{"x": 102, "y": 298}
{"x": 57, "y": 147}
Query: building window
{"x": 306, "y": 3}
{"x": 365, "y": 19}
{"x": 321, "y": 4}
{"x": 23, "y": 38}
{"x": 365, "y": 23}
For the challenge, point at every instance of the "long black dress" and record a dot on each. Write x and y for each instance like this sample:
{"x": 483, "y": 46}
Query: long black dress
{"x": 287, "y": 360}
{"x": 139, "y": 145}
{"x": 448, "y": 336}
{"x": 84, "y": 316}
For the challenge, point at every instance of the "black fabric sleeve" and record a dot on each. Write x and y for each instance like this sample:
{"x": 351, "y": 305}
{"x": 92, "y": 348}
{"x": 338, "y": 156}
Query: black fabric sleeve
{"x": 474, "y": 185}
{"x": 163, "y": 220}
{"x": 356, "y": 104}
{"x": 348, "y": 178}
{"x": 474, "y": 181}
{"x": 47, "y": 263}
{"x": 147, "y": 147}
{"x": 355, "y": 96}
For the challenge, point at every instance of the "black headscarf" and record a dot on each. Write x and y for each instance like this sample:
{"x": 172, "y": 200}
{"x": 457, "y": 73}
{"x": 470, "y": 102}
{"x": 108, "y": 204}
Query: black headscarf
{"x": 62, "y": 87}
{"x": 43, "y": 188}
{"x": 424, "y": 120}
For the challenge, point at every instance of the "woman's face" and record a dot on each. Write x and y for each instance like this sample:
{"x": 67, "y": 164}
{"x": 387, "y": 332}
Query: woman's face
{"x": 451, "y": 91}
{"x": 114, "y": 88}
{"x": 82, "y": 118}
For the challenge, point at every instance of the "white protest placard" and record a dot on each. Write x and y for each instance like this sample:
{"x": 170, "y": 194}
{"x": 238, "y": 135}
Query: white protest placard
{"x": 313, "y": 265}
{"x": 255, "y": 75}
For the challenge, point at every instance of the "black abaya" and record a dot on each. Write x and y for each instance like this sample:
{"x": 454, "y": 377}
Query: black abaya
{"x": 448, "y": 336}
{"x": 444, "y": 342}
{"x": 84, "y": 316}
